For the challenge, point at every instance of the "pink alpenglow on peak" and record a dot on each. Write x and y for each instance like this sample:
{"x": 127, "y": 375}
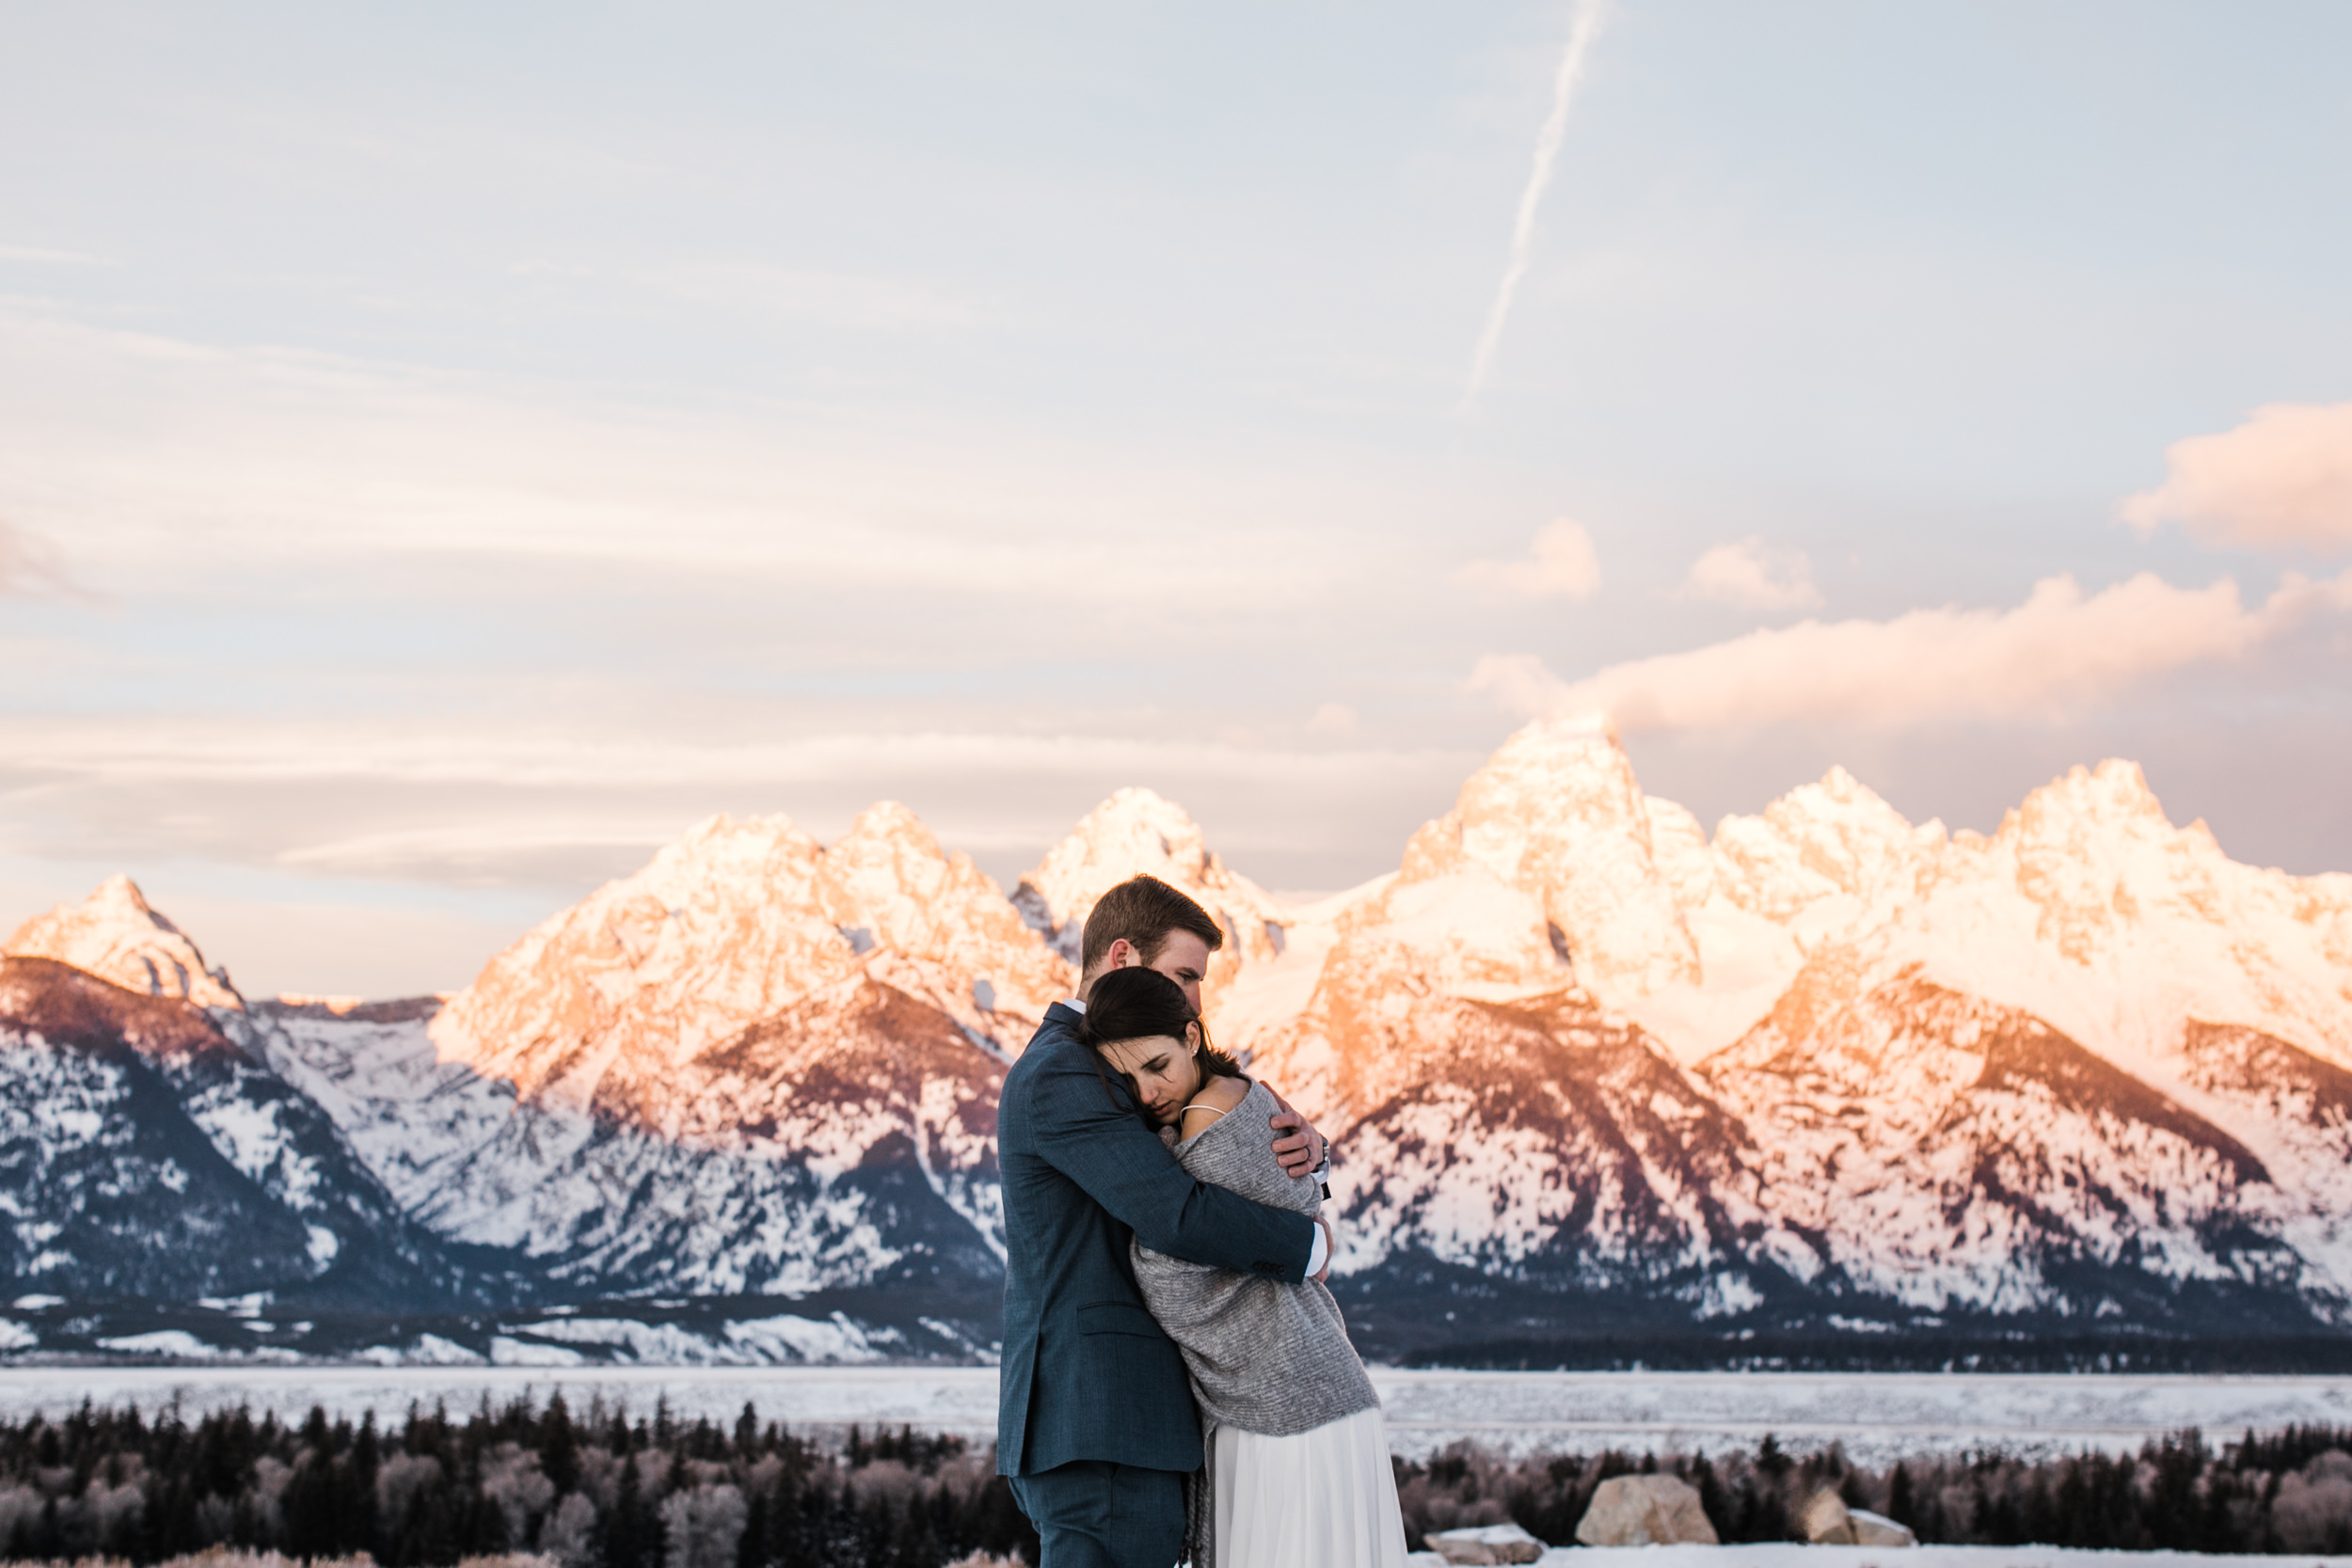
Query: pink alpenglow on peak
{"x": 612, "y": 1000}
{"x": 117, "y": 935}
{"x": 1577, "y": 1053}
{"x": 2087, "y": 907}
{"x": 2149, "y": 1041}
{"x": 1135, "y": 831}
{"x": 1557, "y": 814}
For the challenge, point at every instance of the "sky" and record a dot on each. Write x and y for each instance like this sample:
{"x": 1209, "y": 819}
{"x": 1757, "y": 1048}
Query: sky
{"x": 446, "y": 451}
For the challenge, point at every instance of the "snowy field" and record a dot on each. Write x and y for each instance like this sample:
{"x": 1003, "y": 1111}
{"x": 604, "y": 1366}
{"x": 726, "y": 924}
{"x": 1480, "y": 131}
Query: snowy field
{"x": 1790, "y": 1555}
{"x": 1879, "y": 1416}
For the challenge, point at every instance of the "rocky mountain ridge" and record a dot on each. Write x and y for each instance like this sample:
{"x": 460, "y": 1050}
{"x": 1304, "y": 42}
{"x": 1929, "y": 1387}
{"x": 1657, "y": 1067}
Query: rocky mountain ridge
{"x": 1593, "y": 1071}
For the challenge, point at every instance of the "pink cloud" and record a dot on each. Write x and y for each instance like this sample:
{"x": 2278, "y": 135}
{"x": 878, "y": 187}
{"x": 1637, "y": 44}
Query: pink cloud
{"x": 2282, "y": 479}
{"x": 1752, "y": 575}
{"x": 2056, "y": 653}
{"x": 1561, "y": 563}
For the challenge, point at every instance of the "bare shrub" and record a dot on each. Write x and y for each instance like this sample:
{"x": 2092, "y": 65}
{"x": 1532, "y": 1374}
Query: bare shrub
{"x": 113, "y": 1512}
{"x": 886, "y": 1481}
{"x": 701, "y": 1528}
{"x": 20, "y": 1509}
{"x": 2313, "y": 1512}
{"x": 510, "y": 1478}
{"x": 569, "y": 1534}
{"x": 399, "y": 1481}
{"x": 216, "y": 1518}
{"x": 265, "y": 1496}
{"x": 599, "y": 1477}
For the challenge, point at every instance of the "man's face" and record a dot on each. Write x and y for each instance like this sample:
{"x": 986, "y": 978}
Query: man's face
{"x": 1183, "y": 959}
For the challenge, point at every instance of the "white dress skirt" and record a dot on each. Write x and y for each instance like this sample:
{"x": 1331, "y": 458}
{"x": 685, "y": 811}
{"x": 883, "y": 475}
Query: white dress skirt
{"x": 1326, "y": 1498}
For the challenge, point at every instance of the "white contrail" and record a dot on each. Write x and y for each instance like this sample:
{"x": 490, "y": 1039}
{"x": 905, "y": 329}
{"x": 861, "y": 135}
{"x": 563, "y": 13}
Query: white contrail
{"x": 1583, "y": 29}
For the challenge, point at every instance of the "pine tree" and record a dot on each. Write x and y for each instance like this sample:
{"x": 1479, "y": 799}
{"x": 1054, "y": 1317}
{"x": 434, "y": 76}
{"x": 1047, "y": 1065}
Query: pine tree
{"x": 1898, "y": 1506}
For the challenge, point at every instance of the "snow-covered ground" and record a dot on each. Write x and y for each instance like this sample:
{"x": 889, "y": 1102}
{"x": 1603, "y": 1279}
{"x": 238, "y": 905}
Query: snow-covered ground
{"x": 1878, "y": 1418}
{"x": 1791, "y": 1555}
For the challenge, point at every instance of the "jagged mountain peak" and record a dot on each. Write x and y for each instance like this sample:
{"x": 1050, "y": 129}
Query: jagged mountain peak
{"x": 721, "y": 839}
{"x": 118, "y": 936}
{"x": 2089, "y": 908}
{"x": 2111, "y": 801}
{"x": 1557, "y": 813}
{"x": 1836, "y": 836}
{"x": 1979, "y": 1157}
{"x": 886, "y": 845}
{"x": 887, "y": 882}
{"x": 1563, "y": 733}
{"x": 733, "y": 923}
{"x": 888, "y": 819}
{"x": 2094, "y": 854}
{"x": 1140, "y": 831}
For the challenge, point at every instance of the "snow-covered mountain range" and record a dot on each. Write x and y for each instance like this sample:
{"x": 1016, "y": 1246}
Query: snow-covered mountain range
{"x": 1598, "y": 1078}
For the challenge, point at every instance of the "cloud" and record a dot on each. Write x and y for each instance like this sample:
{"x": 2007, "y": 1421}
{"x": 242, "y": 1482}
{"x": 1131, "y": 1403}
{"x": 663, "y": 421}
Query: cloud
{"x": 429, "y": 801}
{"x": 1752, "y": 575}
{"x": 1559, "y": 563}
{"x": 2280, "y": 481}
{"x": 2052, "y": 654}
{"x": 176, "y": 461}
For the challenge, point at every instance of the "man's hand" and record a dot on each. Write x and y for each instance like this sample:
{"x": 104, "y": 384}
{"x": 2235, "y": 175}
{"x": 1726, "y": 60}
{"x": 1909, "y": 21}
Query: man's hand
{"x": 1299, "y": 1149}
{"x": 1330, "y": 1249}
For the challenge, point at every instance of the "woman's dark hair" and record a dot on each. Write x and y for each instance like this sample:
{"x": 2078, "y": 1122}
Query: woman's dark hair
{"x": 1137, "y": 1004}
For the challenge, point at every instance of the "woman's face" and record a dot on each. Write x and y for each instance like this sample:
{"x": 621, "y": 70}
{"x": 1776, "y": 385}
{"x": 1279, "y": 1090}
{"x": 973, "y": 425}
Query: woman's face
{"x": 1164, "y": 1068}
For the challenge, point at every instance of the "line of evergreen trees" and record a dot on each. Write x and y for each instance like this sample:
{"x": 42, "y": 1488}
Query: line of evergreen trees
{"x": 2291, "y": 1493}
{"x": 602, "y": 1491}
{"x": 593, "y": 1492}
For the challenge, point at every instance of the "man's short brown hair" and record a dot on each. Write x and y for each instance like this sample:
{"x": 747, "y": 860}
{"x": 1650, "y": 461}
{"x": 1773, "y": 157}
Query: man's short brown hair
{"x": 1146, "y": 912}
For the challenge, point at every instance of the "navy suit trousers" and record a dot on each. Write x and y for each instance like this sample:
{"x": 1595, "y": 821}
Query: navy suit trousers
{"x": 1091, "y": 1514}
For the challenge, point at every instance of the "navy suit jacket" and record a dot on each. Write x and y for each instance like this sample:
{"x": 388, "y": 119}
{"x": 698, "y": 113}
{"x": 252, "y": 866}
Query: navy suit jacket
{"x": 1087, "y": 1373}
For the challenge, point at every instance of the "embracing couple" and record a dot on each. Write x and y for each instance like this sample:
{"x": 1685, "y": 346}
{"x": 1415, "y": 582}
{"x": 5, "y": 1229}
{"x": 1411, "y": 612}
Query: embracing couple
{"x": 1177, "y": 1383}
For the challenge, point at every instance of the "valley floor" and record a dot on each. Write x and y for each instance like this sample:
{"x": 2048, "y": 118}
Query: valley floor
{"x": 1878, "y": 1418}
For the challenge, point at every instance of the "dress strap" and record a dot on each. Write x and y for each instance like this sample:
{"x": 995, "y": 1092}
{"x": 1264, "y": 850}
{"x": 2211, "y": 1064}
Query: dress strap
{"x": 1211, "y": 1109}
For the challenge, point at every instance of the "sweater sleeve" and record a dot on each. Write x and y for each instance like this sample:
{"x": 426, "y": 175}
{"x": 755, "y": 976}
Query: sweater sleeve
{"x": 1085, "y": 1124}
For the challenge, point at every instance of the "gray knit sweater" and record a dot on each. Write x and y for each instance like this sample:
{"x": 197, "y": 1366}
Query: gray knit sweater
{"x": 1265, "y": 1356}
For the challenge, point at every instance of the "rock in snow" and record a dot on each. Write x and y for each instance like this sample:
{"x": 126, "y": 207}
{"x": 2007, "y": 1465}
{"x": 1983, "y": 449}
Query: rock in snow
{"x": 1591, "y": 1069}
{"x": 1646, "y": 1510}
{"x": 1877, "y": 1529}
{"x": 1486, "y": 1543}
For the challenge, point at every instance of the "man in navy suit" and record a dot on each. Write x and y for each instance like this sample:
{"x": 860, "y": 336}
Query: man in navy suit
{"x": 1096, "y": 1427}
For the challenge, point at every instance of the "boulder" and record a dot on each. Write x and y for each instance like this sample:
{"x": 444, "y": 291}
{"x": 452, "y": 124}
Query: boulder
{"x": 1486, "y": 1543}
{"x": 1645, "y": 1511}
{"x": 1826, "y": 1521}
{"x": 1877, "y": 1529}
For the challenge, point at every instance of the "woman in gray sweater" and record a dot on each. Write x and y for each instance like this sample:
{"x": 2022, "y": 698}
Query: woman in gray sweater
{"x": 1296, "y": 1471}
